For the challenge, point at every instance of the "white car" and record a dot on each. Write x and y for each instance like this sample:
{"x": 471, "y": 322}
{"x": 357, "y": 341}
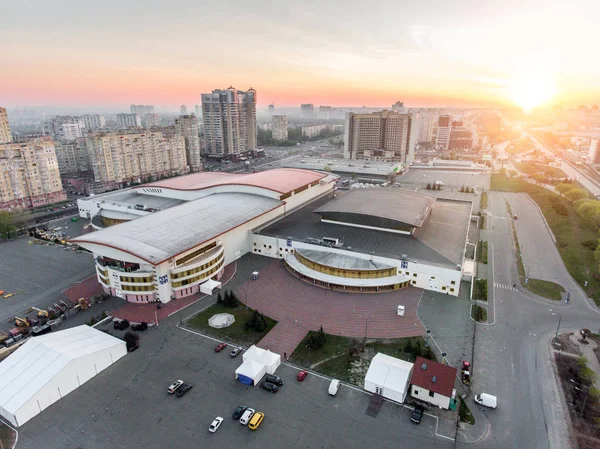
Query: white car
{"x": 334, "y": 386}
{"x": 215, "y": 424}
{"x": 175, "y": 386}
{"x": 245, "y": 419}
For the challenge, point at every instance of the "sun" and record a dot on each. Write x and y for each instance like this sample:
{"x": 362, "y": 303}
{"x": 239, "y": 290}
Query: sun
{"x": 531, "y": 90}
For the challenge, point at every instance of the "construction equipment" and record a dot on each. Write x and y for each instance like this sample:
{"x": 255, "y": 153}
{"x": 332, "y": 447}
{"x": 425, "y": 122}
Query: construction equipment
{"x": 82, "y": 304}
{"x": 466, "y": 373}
{"x": 59, "y": 307}
{"x": 40, "y": 312}
{"x": 22, "y": 322}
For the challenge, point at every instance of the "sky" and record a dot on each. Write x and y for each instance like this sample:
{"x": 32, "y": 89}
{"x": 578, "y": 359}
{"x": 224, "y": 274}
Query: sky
{"x": 426, "y": 53}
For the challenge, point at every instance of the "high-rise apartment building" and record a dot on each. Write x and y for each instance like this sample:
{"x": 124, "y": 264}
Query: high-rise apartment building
{"x": 279, "y": 127}
{"x": 197, "y": 111}
{"x": 442, "y": 139}
{"x": 307, "y": 110}
{"x": 151, "y": 120}
{"x": 325, "y": 112}
{"x": 70, "y": 131}
{"x": 94, "y": 122}
{"x": 187, "y": 126}
{"x": 385, "y": 135}
{"x": 461, "y": 137}
{"x": 141, "y": 109}
{"x": 594, "y": 151}
{"x": 129, "y": 120}
{"x": 229, "y": 118}
{"x": 399, "y": 107}
{"x": 29, "y": 175}
{"x": 271, "y": 110}
{"x": 72, "y": 157}
{"x": 183, "y": 110}
{"x": 5, "y": 133}
{"x": 123, "y": 157}
{"x": 426, "y": 125}
{"x": 65, "y": 127}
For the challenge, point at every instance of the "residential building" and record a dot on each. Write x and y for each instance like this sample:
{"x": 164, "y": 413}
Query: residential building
{"x": 5, "y": 133}
{"x": 426, "y": 125}
{"x": 325, "y": 112}
{"x": 433, "y": 382}
{"x": 198, "y": 111}
{"x": 384, "y": 135}
{"x": 94, "y": 122}
{"x": 59, "y": 127}
{"x": 124, "y": 157}
{"x": 129, "y": 120}
{"x": 594, "y": 151}
{"x": 482, "y": 141}
{"x": 461, "y": 138}
{"x": 307, "y": 110}
{"x": 151, "y": 120}
{"x": 72, "y": 157}
{"x": 279, "y": 126}
{"x": 271, "y": 110}
{"x": 29, "y": 175}
{"x": 399, "y": 107}
{"x": 141, "y": 109}
{"x": 229, "y": 118}
{"x": 313, "y": 130}
{"x": 70, "y": 131}
{"x": 183, "y": 110}
{"x": 187, "y": 126}
{"x": 442, "y": 138}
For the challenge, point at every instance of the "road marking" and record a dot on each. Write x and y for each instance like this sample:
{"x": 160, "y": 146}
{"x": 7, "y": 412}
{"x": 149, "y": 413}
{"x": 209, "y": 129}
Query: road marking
{"x": 505, "y": 286}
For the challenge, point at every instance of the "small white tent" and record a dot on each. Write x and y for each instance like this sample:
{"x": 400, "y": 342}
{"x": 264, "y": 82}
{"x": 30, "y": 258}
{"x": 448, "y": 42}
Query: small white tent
{"x": 257, "y": 362}
{"x": 48, "y": 367}
{"x": 250, "y": 372}
{"x": 208, "y": 286}
{"x": 264, "y": 356}
{"x": 389, "y": 377}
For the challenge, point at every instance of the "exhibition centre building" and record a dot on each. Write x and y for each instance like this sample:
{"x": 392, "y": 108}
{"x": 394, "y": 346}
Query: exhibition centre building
{"x": 172, "y": 238}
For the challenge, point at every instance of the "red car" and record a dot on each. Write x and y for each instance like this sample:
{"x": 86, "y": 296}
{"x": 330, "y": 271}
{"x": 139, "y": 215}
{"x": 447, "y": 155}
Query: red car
{"x": 220, "y": 347}
{"x": 302, "y": 375}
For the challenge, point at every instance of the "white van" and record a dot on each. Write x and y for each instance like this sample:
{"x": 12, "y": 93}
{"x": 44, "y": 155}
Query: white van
{"x": 487, "y": 400}
{"x": 334, "y": 386}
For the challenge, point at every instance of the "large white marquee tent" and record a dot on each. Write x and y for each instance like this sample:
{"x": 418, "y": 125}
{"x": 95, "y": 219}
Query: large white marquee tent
{"x": 48, "y": 367}
{"x": 389, "y": 377}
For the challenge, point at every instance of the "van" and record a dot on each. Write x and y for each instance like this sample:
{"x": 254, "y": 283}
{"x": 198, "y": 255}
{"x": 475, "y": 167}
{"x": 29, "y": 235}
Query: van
{"x": 334, "y": 386}
{"x": 487, "y": 400}
{"x": 256, "y": 420}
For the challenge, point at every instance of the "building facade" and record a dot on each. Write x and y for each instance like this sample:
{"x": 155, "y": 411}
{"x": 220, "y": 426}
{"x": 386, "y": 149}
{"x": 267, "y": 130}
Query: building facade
{"x": 427, "y": 123}
{"x": 271, "y": 110}
{"x": 307, "y": 110}
{"x": 594, "y": 151}
{"x": 123, "y": 157}
{"x": 183, "y": 110}
{"x": 5, "y": 133}
{"x": 65, "y": 127}
{"x": 151, "y": 120}
{"x": 229, "y": 118}
{"x": 187, "y": 126}
{"x": 129, "y": 120}
{"x": 325, "y": 112}
{"x": 442, "y": 139}
{"x": 141, "y": 109}
{"x": 72, "y": 157}
{"x": 29, "y": 174}
{"x": 94, "y": 122}
{"x": 380, "y": 135}
{"x": 461, "y": 138}
{"x": 279, "y": 126}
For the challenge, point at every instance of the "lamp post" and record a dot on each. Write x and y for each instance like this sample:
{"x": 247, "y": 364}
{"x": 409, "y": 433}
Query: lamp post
{"x": 428, "y": 331}
{"x": 557, "y": 327}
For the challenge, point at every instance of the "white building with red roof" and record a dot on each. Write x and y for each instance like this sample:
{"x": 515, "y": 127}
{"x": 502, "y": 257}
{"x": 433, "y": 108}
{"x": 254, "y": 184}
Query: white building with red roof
{"x": 433, "y": 382}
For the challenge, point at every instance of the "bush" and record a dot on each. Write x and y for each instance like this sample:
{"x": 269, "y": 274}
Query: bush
{"x": 428, "y": 186}
{"x": 257, "y": 321}
{"x": 591, "y": 244}
{"x": 318, "y": 340}
{"x": 558, "y": 206}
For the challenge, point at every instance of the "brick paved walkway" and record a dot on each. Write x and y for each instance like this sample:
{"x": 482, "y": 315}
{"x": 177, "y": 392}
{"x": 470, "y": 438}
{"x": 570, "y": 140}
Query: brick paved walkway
{"x": 84, "y": 289}
{"x": 297, "y": 304}
{"x": 283, "y": 338}
{"x": 137, "y": 313}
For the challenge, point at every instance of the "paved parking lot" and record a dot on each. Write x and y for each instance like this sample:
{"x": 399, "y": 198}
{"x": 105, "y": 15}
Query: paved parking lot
{"x": 127, "y": 406}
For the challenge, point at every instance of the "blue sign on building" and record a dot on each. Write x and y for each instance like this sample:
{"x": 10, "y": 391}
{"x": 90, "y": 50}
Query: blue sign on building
{"x": 289, "y": 242}
{"x": 404, "y": 264}
{"x": 163, "y": 279}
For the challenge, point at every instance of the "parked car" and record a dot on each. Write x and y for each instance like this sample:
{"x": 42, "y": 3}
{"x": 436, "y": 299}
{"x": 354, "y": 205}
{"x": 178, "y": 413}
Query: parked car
{"x": 220, "y": 347}
{"x": 121, "y": 325}
{"x": 269, "y": 387}
{"x": 302, "y": 375}
{"x": 274, "y": 379}
{"x": 237, "y": 414}
{"x": 256, "y": 420}
{"x": 215, "y": 424}
{"x": 246, "y": 416}
{"x": 486, "y": 400}
{"x": 334, "y": 386}
{"x": 183, "y": 390}
{"x": 140, "y": 327}
{"x": 417, "y": 414}
{"x": 235, "y": 352}
{"x": 174, "y": 386}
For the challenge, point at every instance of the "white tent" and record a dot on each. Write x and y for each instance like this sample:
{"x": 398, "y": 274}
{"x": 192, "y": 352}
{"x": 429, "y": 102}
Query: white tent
{"x": 208, "y": 286}
{"x": 50, "y": 366}
{"x": 264, "y": 356}
{"x": 389, "y": 377}
{"x": 250, "y": 372}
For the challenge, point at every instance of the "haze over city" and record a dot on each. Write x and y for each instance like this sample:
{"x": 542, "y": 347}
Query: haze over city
{"x": 431, "y": 53}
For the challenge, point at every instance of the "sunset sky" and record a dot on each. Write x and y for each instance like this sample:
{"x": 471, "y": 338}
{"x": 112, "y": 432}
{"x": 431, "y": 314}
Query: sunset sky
{"x": 337, "y": 52}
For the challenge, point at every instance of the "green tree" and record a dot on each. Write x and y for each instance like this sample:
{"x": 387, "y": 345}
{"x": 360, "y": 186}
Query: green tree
{"x": 7, "y": 227}
{"x": 353, "y": 176}
{"x": 219, "y": 298}
{"x": 428, "y": 186}
{"x": 576, "y": 194}
{"x": 408, "y": 347}
{"x": 327, "y": 168}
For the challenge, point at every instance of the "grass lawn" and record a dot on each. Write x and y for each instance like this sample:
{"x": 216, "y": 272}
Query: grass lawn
{"x": 569, "y": 231}
{"x": 479, "y": 314}
{"x": 236, "y": 332}
{"x": 480, "y": 289}
{"x": 531, "y": 168}
{"x": 546, "y": 289}
{"x": 484, "y": 201}
{"x": 482, "y": 252}
{"x": 465, "y": 414}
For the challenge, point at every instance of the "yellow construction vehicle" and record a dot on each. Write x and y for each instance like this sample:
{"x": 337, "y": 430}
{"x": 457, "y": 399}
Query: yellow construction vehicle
{"x": 21, "y": 322}
{"x": 82, "y": 304}
{"x": 41, "y": 313}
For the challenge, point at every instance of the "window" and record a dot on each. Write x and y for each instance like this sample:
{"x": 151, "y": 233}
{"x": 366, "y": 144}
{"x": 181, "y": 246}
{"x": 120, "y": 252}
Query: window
{"x": 443, "y": 288}
{"x": 414, "y": 282}
{"x": 432, "y": 277}
{"x": 431, "y": 394}
{"x": 416, "y": 392}
{"x": 451, "y": 290}
{"x": 414, "y": 274}
{"x": 453, "y": 282}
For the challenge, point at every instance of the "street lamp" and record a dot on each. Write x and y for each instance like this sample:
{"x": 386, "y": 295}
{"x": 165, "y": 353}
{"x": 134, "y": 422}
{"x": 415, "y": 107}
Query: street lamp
{"x": 557, "y": 327}
{"x": 428, "y": 331}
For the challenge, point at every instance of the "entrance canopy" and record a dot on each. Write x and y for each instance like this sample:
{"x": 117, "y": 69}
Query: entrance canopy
{"x": 208, "y": 287}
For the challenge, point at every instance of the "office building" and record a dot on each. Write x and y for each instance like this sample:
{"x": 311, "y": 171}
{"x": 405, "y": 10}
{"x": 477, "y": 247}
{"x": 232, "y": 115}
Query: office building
{"x": 307, "y": 110}
{"x": 271, "y": 110}
{"x": 141, "y": 109}
{"x": 325, "y": 112}
{"x": 385, "y": 135}
{"x": 5, "y": 133}
{"x": 594, "y": 152}
{"x": 94, "y": 122}
{"x": 151, "y": 120}
{"x": 123, "y": 157}
{"x": 129, "y": 120}
{"x": 279, "y": 127}
{"x": 187, "y": 126}
{"x": 72, "y": 157}
{"x": 229, "y": 118}
{"x": 29, "y": 175}
{"x": 442, "y": 139}
{"x": 461, "y": 137}
{"x": 426, "y": 124}
{"x": 183, "y": 110}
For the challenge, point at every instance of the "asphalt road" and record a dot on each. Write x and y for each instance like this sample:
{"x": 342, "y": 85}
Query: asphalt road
{"x": 511, "y": 356}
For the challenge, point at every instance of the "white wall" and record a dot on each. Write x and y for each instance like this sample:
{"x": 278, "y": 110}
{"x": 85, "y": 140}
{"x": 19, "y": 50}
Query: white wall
{"x": 423, "y": 395}
{"x": 394, "y": 395}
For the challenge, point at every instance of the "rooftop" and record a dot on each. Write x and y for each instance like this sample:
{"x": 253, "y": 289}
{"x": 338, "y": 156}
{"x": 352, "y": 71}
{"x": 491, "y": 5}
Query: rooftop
{"x": 332, "y": 259}
{"x": 159, "y": 236}
{"x": 444, "y": 376}
{"x": 281, "y": 180}
{"x": 378, "y": 169}
{"x": 405, "y": 206}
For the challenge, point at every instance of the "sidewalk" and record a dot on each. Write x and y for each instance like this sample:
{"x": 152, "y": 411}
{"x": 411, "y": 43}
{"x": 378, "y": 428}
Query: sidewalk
{"x": 587, "y": 350}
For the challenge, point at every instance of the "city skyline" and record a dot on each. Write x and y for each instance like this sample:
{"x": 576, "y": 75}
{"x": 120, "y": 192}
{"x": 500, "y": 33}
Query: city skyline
{"x": 463, "y": 54}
